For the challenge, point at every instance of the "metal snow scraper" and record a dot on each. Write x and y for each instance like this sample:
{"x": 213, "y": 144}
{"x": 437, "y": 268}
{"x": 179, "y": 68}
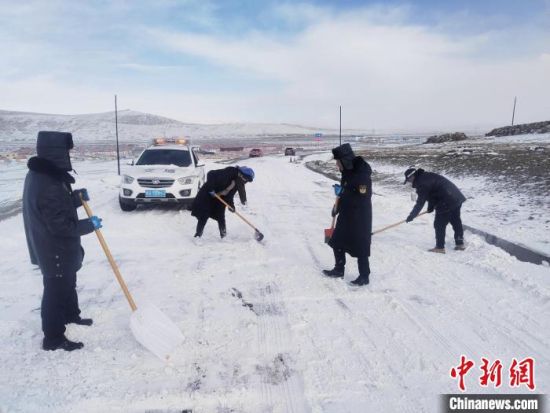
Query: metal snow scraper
{"x": 257, "y": 234}
{"x": 150, "y": 326}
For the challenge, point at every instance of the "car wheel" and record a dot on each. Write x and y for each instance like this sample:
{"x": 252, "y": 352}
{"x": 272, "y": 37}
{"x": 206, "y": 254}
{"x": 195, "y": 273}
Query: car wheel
{"x": 126, "y": 206}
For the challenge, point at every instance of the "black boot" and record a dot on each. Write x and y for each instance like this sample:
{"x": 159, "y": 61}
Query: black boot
{"x": 62, "y": 344}
{"x": 223, "y": 232}
{"x": 361, "y": 280}
{"x": 201, "y": 223}
{"x": 339, "y": 264}
{"x": 81, "y": 321}
{"x": 334, "y": 273}
{"x": 363, "y": 266}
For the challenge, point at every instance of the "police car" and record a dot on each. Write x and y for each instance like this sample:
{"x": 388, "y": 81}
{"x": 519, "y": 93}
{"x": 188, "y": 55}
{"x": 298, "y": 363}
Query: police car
{"x": 167, "y": 172}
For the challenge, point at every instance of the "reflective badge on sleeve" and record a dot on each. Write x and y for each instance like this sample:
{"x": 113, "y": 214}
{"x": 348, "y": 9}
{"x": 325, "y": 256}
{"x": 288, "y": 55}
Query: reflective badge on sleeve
{"x": 362, "y": 189}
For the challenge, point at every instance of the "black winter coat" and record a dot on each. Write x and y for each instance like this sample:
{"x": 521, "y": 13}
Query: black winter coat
{"x": 52, "y": 226}
{"x": 222, "y": 181}
{"x": 441, "y": 194}
{"x": 352, "y": 232}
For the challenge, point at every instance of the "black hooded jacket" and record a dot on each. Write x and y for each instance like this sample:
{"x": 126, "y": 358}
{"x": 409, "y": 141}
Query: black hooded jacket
{"x": 352, "y": 232}
{"x": 441, "y": 194}
{"x": 226, "y": 182}
{"x": 52, "y": 226}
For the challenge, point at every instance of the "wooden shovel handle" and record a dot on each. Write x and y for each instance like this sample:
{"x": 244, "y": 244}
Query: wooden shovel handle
{"x": 334, "y": 217}
{"x": 114, "y": 266}
{"x": 235, "y": 211}
{"x": 394, "y": 225}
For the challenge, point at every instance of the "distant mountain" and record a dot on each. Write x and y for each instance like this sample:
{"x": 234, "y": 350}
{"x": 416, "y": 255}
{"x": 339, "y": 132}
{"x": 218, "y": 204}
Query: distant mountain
{"x": 133, "y": 126}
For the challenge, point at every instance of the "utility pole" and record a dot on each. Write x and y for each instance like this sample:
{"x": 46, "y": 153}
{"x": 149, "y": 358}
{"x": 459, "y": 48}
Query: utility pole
{"x": 514, "y": 111}
{"x": 340, "y": 125}
{"x": 116, "y": 131}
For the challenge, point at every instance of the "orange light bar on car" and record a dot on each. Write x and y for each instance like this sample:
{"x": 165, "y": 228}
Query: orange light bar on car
{"x": 159, "y": 141}
{"x": 181, "y": 141}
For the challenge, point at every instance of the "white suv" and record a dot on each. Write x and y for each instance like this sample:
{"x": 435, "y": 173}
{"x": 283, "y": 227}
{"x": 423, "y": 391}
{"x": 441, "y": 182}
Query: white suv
{"x": 166, "y": 172}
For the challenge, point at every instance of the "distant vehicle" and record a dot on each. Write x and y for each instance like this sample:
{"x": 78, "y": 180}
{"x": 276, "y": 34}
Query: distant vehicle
{"x": 166, "y": 172}
{"x": 290, "y": 152}
{"x": 254, "y": 153}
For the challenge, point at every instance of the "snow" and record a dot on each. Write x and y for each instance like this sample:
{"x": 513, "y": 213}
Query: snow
{"x": 527, "y": 138}
{"x": 264, "y": 331}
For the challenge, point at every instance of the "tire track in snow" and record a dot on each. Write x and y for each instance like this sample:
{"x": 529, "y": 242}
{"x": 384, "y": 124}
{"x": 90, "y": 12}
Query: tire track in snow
{"x": 274, "y": 333}
{"x": 361, "y": 327}
{"x": 356, "y": 358}
{"x": 274, "y": 336}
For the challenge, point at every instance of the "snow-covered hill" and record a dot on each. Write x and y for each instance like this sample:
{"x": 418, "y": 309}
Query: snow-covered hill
{"x": 135, "y": 127}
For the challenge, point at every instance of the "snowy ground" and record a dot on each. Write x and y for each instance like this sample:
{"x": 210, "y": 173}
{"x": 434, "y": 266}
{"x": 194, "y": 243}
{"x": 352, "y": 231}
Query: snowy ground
{"x": 264, "y": 331}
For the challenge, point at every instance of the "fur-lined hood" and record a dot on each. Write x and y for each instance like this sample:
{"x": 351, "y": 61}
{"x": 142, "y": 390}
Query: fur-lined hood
{"x": 47, "y": 167}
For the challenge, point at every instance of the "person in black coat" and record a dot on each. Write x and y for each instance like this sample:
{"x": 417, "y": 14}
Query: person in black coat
{"x": 352, "y": 233}
{"x": 442, "y": 196}
{"x": 53, "y": 232}
{"x": 225, "y": 183}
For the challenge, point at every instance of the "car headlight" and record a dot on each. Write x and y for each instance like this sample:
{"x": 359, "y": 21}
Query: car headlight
{"x": 127, "y": 179}
{"x": 186, "y": 180}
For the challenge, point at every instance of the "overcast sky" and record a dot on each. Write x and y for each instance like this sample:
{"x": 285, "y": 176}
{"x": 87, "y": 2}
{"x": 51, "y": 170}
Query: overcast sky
{"x": 416, "y": 65}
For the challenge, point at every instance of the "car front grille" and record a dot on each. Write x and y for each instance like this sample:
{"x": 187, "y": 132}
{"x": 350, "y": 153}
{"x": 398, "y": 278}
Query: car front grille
{"x": 155, "y": 182}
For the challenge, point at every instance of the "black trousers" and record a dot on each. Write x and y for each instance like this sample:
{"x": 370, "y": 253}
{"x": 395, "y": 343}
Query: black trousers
{"x": 440, "y": 224}
{"x": 201, "y": 223}
{"x": 362, "y": 262}
{"x": 59, "y": 305}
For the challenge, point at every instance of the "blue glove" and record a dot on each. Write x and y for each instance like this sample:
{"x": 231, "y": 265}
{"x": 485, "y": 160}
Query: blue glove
{"x": 231, "y": 209}
{"x": 212, "y": 194}
{"x": 337, "y": 189}
{"x": 82, "y": 192}
{"x": 409, "y": 218}
{"x": 96, "y": 221}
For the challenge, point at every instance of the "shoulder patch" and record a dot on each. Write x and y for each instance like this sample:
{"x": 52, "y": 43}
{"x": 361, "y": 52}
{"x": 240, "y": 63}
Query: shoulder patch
{"x": 363, "y": 189}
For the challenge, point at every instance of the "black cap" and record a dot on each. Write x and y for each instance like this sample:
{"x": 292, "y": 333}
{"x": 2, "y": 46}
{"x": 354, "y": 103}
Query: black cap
{"x": 408, "y": 173}
{"x": 344, "y": 154}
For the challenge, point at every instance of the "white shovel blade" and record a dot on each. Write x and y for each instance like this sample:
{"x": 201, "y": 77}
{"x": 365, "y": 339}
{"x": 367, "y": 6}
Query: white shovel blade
{"x": 155, "y": 331}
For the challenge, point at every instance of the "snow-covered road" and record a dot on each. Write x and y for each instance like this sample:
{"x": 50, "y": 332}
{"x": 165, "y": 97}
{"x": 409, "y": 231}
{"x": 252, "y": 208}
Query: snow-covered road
{"x": 265, "y": 332}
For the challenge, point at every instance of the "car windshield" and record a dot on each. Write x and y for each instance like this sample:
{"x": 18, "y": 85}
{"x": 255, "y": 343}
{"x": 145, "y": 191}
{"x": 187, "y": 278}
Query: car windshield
{"x": 165, "y": 157}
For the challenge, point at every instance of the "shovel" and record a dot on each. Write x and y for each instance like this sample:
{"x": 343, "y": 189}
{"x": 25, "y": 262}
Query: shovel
{"x": 257, "y": 234}
{"x": 394, "y": 225}
{"x": 330, "y": 231}
{"x": 154, "y": 330}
